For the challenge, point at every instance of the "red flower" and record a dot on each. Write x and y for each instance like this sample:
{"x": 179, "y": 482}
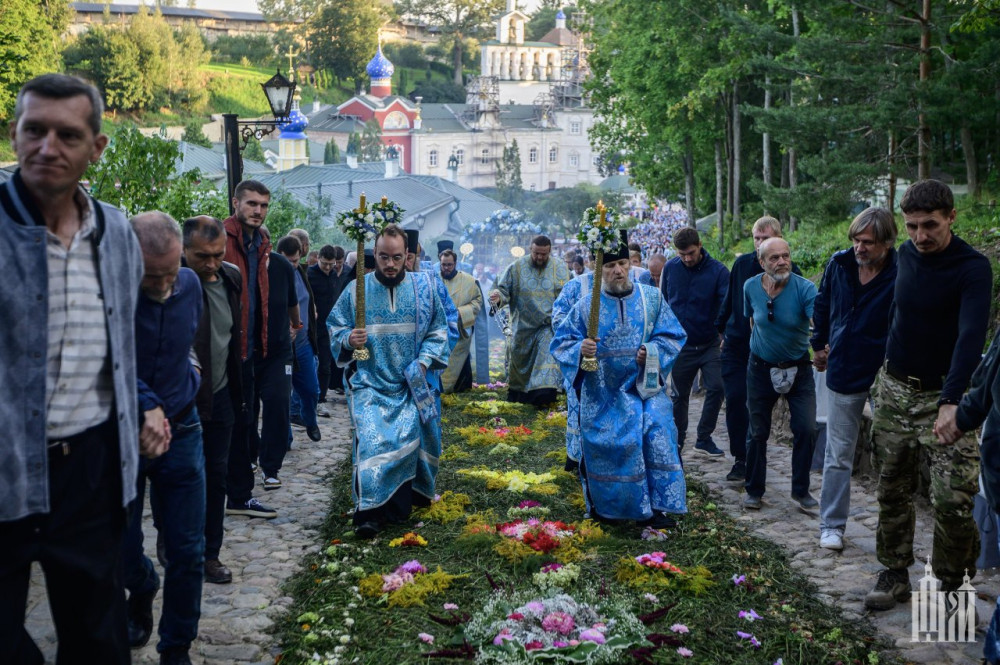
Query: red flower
{"x": 516, "y": 616}
{"x": 541, "y": 542}
{"x": 531, "y": 646}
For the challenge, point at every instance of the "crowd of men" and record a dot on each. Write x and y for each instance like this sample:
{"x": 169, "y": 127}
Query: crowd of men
{"x": 180, "y": 355}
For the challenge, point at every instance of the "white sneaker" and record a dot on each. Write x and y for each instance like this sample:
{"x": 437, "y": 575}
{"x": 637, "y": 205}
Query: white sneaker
{"x": 831, "y": 539}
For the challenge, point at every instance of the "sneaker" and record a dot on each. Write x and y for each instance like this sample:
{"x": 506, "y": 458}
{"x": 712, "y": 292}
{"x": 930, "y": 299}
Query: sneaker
{"x": 314, "y": 434}
{"x": 175, "y": 656}
{"x": 297, "y": 422}
{"x": 271, "y": 481}
{"x": 322, "y": 412}
{"x": 708, "y": 448}
{"x": 252, "y": 508}
{"x": 831, "y": 539}
{"x": 738, "y": 473}
{"x": 893, "y": 586}
{"x": 752, "y": 502}
{"x": 217, "y": 573}
{"x": 805, "y": 501}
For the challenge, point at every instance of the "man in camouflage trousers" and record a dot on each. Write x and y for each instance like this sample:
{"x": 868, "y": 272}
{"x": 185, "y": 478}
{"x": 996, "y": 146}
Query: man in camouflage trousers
{"x": 937, "y": 329}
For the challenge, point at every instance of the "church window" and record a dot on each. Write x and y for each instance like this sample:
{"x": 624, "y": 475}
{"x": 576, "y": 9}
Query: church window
{"x": 553, "y": 155}
{"x": 574, "y": 160}
{"x": 432, "y": 158}
{"x": 533, "y": 156}
{"x": 575, "y": 126}
{"x": 485, "y": 156}
{"x": 460, "y": 154}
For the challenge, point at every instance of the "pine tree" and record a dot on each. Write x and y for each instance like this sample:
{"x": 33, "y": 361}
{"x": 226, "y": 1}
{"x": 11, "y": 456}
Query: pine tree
{"x": 510, "y": 187}
{"x": 331, "y": 154}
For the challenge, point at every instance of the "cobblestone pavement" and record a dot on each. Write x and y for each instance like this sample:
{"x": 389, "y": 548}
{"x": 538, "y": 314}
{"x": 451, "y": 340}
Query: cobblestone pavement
{"x": 843, "y": 578}
{"x": 235, "y": 618}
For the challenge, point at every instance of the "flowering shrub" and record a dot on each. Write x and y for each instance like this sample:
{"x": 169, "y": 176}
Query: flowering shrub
{"x": 527, "y": 509}
{"x": 408, "y": 585}
{"x": 652, "y": 572}
{"x": 522, "y": 628}
{"x": 490, "y": 435}
{"x": 520, "y": 539}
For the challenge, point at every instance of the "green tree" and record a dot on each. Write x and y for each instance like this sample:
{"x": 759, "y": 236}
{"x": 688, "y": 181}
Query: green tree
{"x": 540, "y": 23}
{"x": 510, "y": 188}
{"x": 331, "y": 154}
{"x": 109, "y": 58}
{"x": 438, "y": 92}
{"x": 343, "y": 35}
{"x": 457, "y": 19}
{"x": 193, "y": 134}
{"x": 353, "y": 143}
{"x": 370, "y": 146}
{"x": 27, "y": 47}
{"x": 562, "y": 209}
{"x": 254, "y": 150}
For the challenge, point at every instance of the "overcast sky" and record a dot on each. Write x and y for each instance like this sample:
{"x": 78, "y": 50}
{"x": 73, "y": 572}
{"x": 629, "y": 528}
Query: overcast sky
{"x": 234, "y": 5}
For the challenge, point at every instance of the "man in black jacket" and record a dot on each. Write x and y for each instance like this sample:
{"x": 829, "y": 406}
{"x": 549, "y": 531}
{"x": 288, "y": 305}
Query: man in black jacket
{"x": 220, "y": 396}
{"x": 327, "y": 279}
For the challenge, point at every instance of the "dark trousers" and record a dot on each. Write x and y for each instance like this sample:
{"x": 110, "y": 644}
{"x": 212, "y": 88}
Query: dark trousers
{"x": 177, "y": 497}
{"x": 704, "y": 357}
{"x": 324, "y": 369}
{"x": 217, "y": 432}
{"x": 536, "y": 398}
{"x": 272, "y": 390}
{"x": 394, "y": 511}
{"x": 78, "y": 544}
{"x": 734, "y": 383}
{"x": 761, "y": 398}
{"x": 239, "y": 477}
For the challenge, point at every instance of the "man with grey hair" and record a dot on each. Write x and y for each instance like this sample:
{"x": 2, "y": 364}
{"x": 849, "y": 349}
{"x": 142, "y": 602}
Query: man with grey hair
{"x": 779, "y": 305}
{"x": 851, "y": 326}
{"x": 166, "y": 319}
{"x": 72, "y": 438}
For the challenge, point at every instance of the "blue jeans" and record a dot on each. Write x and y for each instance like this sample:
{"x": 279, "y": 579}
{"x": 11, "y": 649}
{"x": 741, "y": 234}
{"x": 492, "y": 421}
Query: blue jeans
{"x": 305, "y": 384}
{"x": 734, "y": 382}
{"x": 704, "y": 357}
{"x": 843, "y": 422}
{"x": 761, "y": 398}
{"x": 177, "y": 497}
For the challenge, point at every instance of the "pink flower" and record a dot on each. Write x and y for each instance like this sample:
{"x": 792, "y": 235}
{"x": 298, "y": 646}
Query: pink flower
{"x": 743, "y": 636}
{"x": 739, "y": 580}
{"x": 679, "y": 628}
{"x": 559, "y": 644}
{"x": 450, "y": 606}
{"x": 574, "y": 643}
{"x": 560, "y": 622}
{"x": 531, "y": 646}
{"x": 755, "y": 642}
{"x": 535, "y": 607}
{"x": 412, "y": 567}
{"x": 528, "y": 504}
{"x": 426, "y": 637}
{"x": 516, "y": 616}
{"x": 551, "y": 567}
{"x": 503, "y": 636}
{"x": 396, "y": 580}
{"x": 591, "y": 635}
{"x": 684, "y": 652}
{"x": 749, "y": 614}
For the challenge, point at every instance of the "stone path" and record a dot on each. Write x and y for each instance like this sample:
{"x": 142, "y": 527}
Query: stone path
{"x": 263, "y": 554}
{"x": 843, "y": 578}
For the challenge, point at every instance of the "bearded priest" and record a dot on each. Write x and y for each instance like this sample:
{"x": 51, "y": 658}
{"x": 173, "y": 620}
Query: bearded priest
{"x": 397, "y": 427}
{"x": 629, "y": 464}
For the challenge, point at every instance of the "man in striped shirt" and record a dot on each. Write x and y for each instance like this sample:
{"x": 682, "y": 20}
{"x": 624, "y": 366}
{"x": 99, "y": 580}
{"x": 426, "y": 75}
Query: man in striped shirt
{"x": 68, "y": 461}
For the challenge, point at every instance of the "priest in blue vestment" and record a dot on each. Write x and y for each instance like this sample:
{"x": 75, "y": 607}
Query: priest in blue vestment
{"x": 629, "y": 464}
{"x": 397, "y": 429}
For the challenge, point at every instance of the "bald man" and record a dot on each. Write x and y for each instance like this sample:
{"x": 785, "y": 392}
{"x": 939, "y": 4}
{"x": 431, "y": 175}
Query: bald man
{"x": 779, "y": 305}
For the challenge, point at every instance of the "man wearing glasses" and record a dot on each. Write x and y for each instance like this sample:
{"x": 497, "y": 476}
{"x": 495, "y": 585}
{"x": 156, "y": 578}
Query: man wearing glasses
{"x": 779, "y": 305}
{"x": 396, "y": 420}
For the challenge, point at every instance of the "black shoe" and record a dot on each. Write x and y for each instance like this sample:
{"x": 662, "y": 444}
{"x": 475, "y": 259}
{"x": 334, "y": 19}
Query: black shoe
{"x": 140, "y": 618}
{"x": 297, "y": 422}
{"x": 892, "y": 586}
{"x": 367, "y": 530}
{"x": 659, "y": 521}
{"x": 806, "y": 501}
{"x": 175, "y": 656}
{"x": 738, "y": 473}
{"x": 314, "y": 434}
{"x": 216, "y": 572}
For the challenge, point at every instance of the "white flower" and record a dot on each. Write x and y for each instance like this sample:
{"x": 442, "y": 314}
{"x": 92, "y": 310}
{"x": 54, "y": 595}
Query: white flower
{"x": 593, "y": 234}
{"x": 348, "y": 622}
{"x": 345, "y": 639}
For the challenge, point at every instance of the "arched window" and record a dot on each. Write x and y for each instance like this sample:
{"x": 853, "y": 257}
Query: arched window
{"x": 553, "y": 155}
{"x": 460, "y": 154}
{"x": 533, "y": 156}
{"x": 432, "y": 158}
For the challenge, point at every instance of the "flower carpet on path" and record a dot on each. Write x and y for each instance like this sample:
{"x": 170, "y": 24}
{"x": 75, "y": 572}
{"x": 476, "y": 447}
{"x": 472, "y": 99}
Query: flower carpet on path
{"x": 502, "y": 567}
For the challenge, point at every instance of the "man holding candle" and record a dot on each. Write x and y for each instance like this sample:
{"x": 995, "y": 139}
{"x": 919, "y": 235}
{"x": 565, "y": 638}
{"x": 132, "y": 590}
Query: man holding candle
{"x": 629, "y": 464}
{"x": 397, "y": 432}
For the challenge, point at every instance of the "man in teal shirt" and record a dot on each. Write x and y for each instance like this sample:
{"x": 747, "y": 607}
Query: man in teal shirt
{"x": 779, "y": 305}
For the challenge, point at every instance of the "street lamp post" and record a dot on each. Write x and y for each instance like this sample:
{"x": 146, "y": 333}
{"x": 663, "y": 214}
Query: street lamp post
{"x": 236, "y": 133}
